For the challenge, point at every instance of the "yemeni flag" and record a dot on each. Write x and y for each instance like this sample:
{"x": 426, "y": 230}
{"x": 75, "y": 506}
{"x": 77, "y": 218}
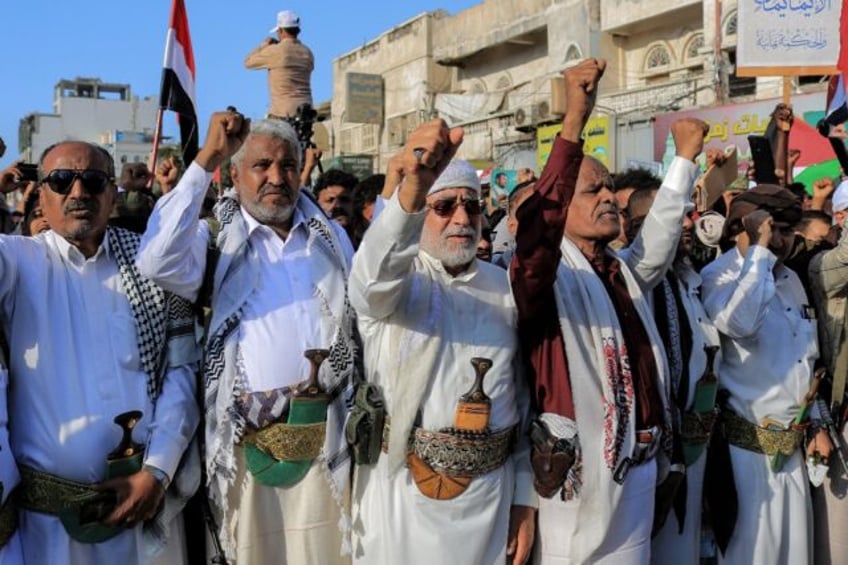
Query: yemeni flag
{"x": 177, "y": 92}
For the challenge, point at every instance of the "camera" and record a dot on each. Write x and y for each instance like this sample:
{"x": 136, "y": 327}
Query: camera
{"x": 29, "y": 173}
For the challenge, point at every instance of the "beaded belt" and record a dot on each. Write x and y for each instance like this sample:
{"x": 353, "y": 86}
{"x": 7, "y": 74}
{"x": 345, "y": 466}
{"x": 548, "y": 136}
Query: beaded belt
{"x": 459, "y": 453}
{"x": 289, "y": 442}
{"x": 742, "y": 433}
{"x": 8, "y": 520}
{"x": 697, "y": 427}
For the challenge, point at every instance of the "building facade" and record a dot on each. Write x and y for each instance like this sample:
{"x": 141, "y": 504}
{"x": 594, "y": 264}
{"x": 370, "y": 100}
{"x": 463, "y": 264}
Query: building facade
{"x": 88, "y": 109}
{"x": 494, "y": 70}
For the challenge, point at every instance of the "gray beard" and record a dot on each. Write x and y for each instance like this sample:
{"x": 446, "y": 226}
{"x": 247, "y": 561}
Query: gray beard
{"x": 437, "y": 247}
{"x": 270, "y": 216}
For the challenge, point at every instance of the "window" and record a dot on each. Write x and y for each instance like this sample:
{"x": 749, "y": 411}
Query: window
{"x": 658, "y": 58}
{"x": 730, "y": 25}
{"x": 693, "y": 48}
{"x": 573, "y": 53}
{"x": 739, "y": 86}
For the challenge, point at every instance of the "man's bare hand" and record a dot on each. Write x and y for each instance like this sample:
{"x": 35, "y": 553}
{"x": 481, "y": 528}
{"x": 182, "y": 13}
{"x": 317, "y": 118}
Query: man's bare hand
{"x": 394, "y": 175}
{"x": 522, "y": 531}
{"x": 689, "y": 134}
{"x": 226, "y": 134}
{"x": 758, "y": 225}
{"x": 715, "y": 157}
{"x": 822, "y": 188}
{"x": 10, "y": 178}
{"x": 820, "y": 444}
{"x": 427, "y": 152}
{"x": 581, "y": 90}
{"x": 167, "y": 174}
{"x": 139, "y": 498}
{"x": 783, "y": 117}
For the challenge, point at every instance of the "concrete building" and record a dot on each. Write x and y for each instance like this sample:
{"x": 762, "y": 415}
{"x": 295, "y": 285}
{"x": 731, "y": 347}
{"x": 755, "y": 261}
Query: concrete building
{"x": 494, "y": 68}
{"x": 89, "y": 109}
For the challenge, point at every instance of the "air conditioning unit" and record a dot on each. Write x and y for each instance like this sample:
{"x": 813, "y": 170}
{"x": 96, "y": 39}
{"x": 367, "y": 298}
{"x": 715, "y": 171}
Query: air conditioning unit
{"x": 521, "y": 117}
{"x": 541, "y": 112}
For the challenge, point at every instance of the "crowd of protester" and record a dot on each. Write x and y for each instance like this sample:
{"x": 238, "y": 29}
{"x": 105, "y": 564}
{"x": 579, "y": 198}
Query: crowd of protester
{"x": 319, "y": 368}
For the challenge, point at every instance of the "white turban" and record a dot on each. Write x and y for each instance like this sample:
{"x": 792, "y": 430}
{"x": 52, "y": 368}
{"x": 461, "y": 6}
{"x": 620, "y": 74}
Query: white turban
{"x": 458, "y": 174}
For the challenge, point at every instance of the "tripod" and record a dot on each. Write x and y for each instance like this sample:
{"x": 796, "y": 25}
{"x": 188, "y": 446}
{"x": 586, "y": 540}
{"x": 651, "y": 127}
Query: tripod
{"x": 302, "y": 122}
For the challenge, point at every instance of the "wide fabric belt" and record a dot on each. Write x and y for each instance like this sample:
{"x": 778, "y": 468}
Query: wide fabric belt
{"x": 48, "y": 494}
{"x": 459, "y": 453}
{"x": 289, "y": 442}
{"x": 742, "y": 433}
{"x": 8, "y": 520}
{"x": 696, "y": 427}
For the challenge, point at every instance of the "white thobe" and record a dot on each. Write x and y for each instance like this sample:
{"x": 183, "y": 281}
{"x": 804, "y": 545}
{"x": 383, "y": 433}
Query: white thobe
{"x": 768, "y": 350}
{"x": 670, "y": 545}
{"x": 392, "y": 521}
{"x": 281, "y": 318}
{"x": 74, "y": 366}
{"x": 11, "y": 553}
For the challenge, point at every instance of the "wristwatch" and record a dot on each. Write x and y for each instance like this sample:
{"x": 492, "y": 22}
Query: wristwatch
{"x": 159, "y": 475}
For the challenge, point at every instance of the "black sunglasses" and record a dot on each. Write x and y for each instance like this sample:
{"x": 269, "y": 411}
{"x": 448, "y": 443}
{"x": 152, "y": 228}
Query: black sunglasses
{"x": 60, "y": 181}
{"x": 447, "y": 206}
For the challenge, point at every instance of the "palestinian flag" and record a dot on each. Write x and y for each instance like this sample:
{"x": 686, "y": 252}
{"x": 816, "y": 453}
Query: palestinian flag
{"x": 177, "y": 93}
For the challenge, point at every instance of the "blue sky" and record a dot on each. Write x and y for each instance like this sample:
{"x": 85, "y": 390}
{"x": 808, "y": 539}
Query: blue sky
{"x": 118, "y": 41}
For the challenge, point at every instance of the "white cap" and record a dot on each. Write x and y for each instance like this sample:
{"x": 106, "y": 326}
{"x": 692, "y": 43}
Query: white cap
{"x": 840, "y": 196}
{"x": 458, "y": 174}
{"x": 286, "y": 19}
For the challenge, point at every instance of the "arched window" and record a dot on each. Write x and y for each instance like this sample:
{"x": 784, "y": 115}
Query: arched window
{"x": 693, "y": 48}
{"x": 573, "y": 53}
{"x": 503, "y": 82}
{"x": 730, "y": 24}
{"x": 657, "y": 58}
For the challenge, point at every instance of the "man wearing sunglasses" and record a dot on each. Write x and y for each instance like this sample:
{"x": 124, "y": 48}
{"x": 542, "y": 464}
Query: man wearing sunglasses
{"x": 427, "y": 308}
{"x": 275, "y": 276}
{"x": 91, "y": 339}
{"x": 599, "y": 368}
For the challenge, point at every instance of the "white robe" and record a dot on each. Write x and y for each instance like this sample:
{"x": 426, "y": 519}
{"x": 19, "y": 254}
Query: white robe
{"x": 11, "y": 553}
{"x": 610, "y": 523}
{"x": 670, "y": 545}
{"x": 281, "y": 318}
{"x": 473, "y": 315}
{"x": 768, "y": 350}
{"x": 74, "y": 366}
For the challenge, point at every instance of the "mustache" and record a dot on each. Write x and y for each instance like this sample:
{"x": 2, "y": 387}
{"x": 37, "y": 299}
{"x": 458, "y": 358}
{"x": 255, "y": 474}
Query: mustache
{"x": 607, "y": 207}
{"x": 338, "y": 213}
{"x": 459, "y": 231}
{"x": 75, "y": 205}
{"x": 283, "y": 189}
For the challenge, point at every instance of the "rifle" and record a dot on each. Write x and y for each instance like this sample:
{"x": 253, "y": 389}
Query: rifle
{"x": 833, "y": 433}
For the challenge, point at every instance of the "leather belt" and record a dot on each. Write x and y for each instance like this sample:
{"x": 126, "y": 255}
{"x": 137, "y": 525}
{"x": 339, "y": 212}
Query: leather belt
{"x": 646, "y": 447}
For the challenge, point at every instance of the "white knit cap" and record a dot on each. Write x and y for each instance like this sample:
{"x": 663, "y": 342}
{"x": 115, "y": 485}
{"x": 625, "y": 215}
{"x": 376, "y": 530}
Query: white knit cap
{"x": 458, "y": 174}
{"x": 840, "y": 196}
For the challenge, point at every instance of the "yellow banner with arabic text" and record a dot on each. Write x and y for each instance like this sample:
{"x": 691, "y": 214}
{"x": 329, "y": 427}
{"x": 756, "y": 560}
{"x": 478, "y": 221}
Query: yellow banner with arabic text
{"x": 596, "y": 140}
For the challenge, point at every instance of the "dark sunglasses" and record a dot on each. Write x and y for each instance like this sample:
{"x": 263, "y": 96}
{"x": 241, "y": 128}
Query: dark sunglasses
{"x": 447, "y": 206}
{"x": 60, "y": 181}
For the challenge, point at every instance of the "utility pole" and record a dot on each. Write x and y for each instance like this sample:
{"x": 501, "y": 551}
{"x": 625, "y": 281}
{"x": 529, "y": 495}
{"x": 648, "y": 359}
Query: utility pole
{"x": 718, "y": 58}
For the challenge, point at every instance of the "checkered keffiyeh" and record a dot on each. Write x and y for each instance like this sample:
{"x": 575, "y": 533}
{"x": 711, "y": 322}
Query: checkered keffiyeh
{"x": 159, "y": 315}
{"x": 225, "y": 423}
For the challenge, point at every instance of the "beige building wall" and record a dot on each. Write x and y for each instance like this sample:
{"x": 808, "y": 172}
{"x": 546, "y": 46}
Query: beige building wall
{"x": 490, "y": 68}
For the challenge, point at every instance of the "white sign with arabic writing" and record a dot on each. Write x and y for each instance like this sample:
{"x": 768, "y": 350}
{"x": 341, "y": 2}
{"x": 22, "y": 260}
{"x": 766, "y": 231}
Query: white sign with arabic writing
{"x": 788, "y": 33}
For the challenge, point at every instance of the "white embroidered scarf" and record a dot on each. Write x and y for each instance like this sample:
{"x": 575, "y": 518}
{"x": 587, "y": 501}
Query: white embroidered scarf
{"x": 602, "y": 386}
